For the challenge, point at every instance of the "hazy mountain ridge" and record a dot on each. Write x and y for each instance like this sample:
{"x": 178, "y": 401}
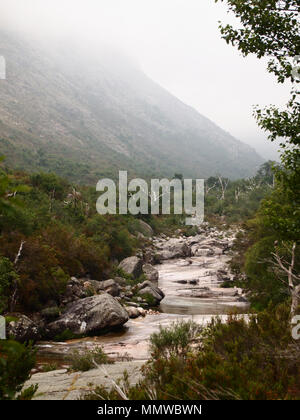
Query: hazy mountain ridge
{"x": 88, "y": 115}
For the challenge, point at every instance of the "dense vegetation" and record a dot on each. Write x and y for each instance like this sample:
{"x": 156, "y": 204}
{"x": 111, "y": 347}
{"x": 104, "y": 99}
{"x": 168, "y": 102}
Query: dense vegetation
{"x": 269, "y": 250}
{"x": 50, "y": 230}
{"x": 234, "y": 360}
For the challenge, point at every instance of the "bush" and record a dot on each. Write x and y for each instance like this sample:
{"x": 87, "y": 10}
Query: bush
{"x": 89, "y": 360}
{"x": 50, "y": 183}
{"x": 41, "y": 277}
{"x": 49, "y": 367}
{"x": 113, "y": 232}
{"x": 16, "y": 362}
{"x": 77, "y": 254}
{"x": 174, "y": 340}
{"x": 254, "y": 360}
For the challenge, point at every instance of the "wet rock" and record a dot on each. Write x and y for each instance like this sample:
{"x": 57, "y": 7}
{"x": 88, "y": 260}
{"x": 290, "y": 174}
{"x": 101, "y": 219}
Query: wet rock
{"x": 90, "y": 316}
{"x": 181, "y": 281}
{"x": 22, "y": 329}
{"x": 142, "y": 311}
{"x": 135, "y": 312}
{"x": 132, "y": 265}
{"x": 150, "y": 272}
{"x": 193, "y": 281}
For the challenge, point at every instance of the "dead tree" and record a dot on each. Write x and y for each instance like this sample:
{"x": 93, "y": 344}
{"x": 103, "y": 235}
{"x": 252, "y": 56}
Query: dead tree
{"x": 224, "y": 185}
{"x": 207, "y": 188}
{"x": 287, "y": 268}
{"x": 14, "y": 296}
{"x": 237, "y": 194}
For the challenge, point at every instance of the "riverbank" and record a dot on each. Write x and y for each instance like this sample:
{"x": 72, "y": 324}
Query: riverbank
{"x": 191, "y": 272}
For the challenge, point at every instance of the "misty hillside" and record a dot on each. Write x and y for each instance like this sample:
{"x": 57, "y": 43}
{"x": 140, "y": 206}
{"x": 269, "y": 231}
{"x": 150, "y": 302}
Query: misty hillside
{"x": 87, "y": 115}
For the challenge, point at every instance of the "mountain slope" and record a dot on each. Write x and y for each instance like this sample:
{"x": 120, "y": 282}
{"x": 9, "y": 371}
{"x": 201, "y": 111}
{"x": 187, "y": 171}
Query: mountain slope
{"x": 88, "y": 115}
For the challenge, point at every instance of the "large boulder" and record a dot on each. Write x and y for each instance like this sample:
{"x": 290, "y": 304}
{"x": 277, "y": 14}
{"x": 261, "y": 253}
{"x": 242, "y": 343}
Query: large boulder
{"x": 110, "y": 286}
{"x": 97, "y": 287}
{"x": 21, "y": 328}
{"x": 150, "y": 272}
{"x": 174, "y": 248}
{"x": 132, "y": 265}
{"x": 75, "y": 290}
{"x": 145, "y": 229}
{"x": 91, "y": 315}
{"x": 147, "y": 288}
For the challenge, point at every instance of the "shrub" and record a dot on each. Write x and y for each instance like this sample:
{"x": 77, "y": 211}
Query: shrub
{"x": 77, "y": 254}
{"x": 237, "y": 359}
{"x": 41, "y": 278}
{"x": 89, "y": 360}
{"x": 16, "y": 362}
{"x": 50, "y": 184}
{"x": 174, "y": 340}
{"x": 49, "y": 367}
{"x": 66, "y": 335}
{"x": 113, "y": 232}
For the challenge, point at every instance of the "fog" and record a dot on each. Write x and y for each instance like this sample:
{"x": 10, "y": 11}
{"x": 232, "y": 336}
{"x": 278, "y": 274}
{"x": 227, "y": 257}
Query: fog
{"x": 176, "y": 42}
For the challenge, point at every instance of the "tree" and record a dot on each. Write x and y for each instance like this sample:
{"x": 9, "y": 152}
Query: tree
{"x": 287, "y": 268}
{"x": 271, "y": 28}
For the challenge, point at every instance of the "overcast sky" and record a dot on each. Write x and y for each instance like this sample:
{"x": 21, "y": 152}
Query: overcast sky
{"x": 176, "y": 42}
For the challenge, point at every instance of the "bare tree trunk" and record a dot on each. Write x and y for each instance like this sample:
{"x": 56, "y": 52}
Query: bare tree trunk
{"x": 224, "y": 185}
{"x": 237, "y": 194}
{"x": 52, "y": 195}
{"x": 293, "y": 279}
{"x": 14, "y": 296}
{"x": 207, "y": 189}
{"x": 295, "y": 299}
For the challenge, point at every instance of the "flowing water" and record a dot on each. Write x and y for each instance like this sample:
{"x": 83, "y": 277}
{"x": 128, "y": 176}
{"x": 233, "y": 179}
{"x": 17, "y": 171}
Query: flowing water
{"x": 192, "y": 291}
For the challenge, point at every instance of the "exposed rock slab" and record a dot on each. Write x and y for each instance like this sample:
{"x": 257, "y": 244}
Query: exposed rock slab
{"x": 60, "y": 385}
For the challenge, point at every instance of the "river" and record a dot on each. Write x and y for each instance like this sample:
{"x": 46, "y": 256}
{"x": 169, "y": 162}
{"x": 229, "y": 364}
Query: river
{"x": 192, "y": 291}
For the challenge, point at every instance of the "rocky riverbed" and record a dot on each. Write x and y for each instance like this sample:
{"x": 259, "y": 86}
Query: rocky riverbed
{"x": 190, "y": 273}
